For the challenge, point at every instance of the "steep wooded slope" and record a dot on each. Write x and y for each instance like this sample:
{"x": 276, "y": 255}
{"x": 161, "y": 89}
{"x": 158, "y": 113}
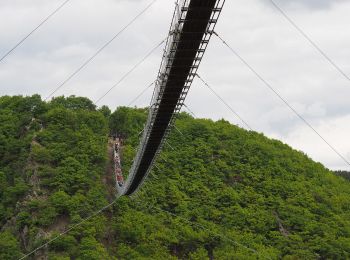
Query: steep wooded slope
{"x": 218, "y": 191}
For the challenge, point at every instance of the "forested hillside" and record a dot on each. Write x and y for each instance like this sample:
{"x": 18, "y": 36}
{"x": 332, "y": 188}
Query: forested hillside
{"x": 217, "y": 191}
{"x": 344, "y": 174}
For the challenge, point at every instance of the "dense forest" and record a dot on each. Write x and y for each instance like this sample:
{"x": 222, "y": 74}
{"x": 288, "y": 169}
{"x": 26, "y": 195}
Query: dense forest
{"x": 344, "y": 174}
{"x": 216, "y": 192}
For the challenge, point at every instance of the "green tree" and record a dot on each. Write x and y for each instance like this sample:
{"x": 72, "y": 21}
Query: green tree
{"x": 71, "y": 176}
{"x": 9, "y": 247}
{"x": 127, "y": 122}
{"x": 91, "y": 249}
{"x": 105, "y": 111}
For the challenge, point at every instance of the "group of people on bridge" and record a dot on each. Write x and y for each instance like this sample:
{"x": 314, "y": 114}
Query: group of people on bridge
{"x": 119, "y": 179}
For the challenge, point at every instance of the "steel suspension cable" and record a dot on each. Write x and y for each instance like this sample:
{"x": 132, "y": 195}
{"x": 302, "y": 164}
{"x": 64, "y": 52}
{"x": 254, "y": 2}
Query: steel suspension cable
{"x": 208, "y": 230}
{"x": 139, "y": 95}
{"x": 99, "y": 50}
{"x": 269, "y": 86}
{"x": 130, "y": 71}
{"x": 178, "y": 130}
{"x": 150, "y": 206}
{"x": 32, "y": 31}
{"x": 137, "y": 195}
{"x": 71, "y": 228}
{"x": 308, "y": 38}
{"x": 110, "y": 204}
{"x": 85, "y": 219}
{"x": 189, "y": 110}
{"x": 224, "y": 102}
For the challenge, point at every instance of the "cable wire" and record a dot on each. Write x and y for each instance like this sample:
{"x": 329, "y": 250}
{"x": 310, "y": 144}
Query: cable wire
{"x": 189, "y": 110}
{"x": 178, "y": 130}
{"x": 206, "y": 229}
{"x": 99, "y": 50}
{"x": 330, "y": 61}
{"x": 224, "y": 102}
{"x": 139, "y": 95}
{"x": 35, "y": 29}
{"x": 130, "y": 71}
{"x": 69, "y": 229}
{"x": 150, "y": 206}
{"x": 282, "y": 99}
{"x": 172, "y": 148}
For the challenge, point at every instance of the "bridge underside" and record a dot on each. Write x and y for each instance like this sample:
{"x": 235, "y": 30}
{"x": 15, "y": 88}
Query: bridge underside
{"x": 190, "y": 34}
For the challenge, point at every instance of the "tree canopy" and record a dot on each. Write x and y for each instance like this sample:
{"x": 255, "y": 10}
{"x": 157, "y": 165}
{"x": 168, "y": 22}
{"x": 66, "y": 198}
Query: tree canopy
{"x": 219, "y": 192}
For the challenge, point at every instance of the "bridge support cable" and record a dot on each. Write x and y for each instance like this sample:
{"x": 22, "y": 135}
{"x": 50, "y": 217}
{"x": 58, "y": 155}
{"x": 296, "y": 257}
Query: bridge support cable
{"x": 269, "y": 86}
{"x": 33, "y": 31}
{"x": 224, "y": 102}
{"x": 99, "y": 50}
{"x": 189, "y": 110}
{"x": 96, "y": 213}
{"x": 308, "y": 38}
{"x": 198, "y": 225}
{"x": 191, "y": 29}
{"x": 130, "y": 71}
{"x": 137, "y": 198}
{"x": 139, "y": 95}
{"x": 178, "y": 130}
{"x": 171, "y": 147}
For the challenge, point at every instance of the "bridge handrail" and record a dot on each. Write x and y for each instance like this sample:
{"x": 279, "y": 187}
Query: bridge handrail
{"x": 176, "y": 27}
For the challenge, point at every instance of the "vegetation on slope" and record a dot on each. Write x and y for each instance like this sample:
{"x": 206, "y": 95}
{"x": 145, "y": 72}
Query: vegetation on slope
{"x": 344, "y": 174}
{"x": 219, "y": 192}
{"x": 53, "y": 156}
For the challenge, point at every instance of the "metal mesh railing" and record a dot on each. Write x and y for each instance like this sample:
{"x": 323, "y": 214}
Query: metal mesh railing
{"x": 173, "y": 40}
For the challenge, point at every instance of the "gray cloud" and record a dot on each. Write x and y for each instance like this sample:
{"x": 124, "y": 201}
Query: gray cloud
{"x": 312, "y": 4}
{"x": 256, "y": 31}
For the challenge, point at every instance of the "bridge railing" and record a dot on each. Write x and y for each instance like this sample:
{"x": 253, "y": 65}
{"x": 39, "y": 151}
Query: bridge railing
{"x": 159, "y": 86}
{"x": 173, "y": 39}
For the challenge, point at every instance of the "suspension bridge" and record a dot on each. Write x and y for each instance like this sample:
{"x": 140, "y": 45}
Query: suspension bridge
{"x": 191, "y": 28}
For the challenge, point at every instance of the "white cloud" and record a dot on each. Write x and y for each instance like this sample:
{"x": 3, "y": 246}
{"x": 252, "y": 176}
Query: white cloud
{"x": 313, "y": 4}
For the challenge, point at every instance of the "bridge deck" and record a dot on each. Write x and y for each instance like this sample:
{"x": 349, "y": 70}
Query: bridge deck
{"x": 190, "y": 32}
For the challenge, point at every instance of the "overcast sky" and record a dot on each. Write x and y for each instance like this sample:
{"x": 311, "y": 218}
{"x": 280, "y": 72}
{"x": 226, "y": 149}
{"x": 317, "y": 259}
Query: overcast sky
{"x": 254, "y": 29}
